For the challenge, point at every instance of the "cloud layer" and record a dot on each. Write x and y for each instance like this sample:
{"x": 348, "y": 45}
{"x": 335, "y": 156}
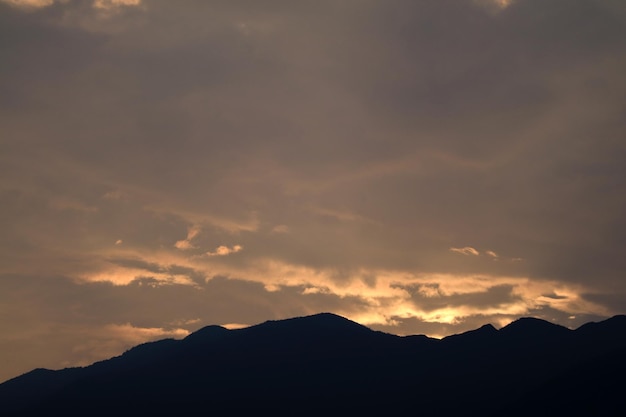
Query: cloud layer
{"x": 418, "y": 166}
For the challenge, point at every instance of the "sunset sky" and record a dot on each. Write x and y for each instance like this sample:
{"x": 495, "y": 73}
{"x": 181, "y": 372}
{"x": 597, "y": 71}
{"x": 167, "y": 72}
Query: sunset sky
{"x": 417, "y": 166}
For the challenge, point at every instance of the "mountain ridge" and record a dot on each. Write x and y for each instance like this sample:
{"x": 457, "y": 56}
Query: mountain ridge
{"x": 324, "y": 358}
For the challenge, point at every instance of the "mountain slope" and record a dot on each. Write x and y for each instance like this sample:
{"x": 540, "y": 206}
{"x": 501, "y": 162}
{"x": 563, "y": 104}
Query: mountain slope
{"x": 327, "y": 364}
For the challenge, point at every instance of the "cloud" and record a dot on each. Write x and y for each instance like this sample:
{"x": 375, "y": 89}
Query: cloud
{"x": 225, "y": 250}
{"x": 113, "y": 339}
{"x": 396, "y": 302}
{"x": 494, "y": 5}
{"x": 110, "y": 4}
{"x": 133, "y": 335}
{"x": 186, "y": 244}
{"x": 183, "y": 244}
{"x": 467, "y": 250}
{"x": 96, "y": 4}
{"x": 112, "y": 195}
{"x": 124, "y": 271}
{"x": 127, "y": 276}
{"x": 340, "y": 215}
{"x": 233, "y": 326}
{"x": 281, "y": 228}
{"x": 227, "y": 222}
{"x": 60, "y": 203}
{"x": 29, "y": 3}
{"x": 349, "y": 163}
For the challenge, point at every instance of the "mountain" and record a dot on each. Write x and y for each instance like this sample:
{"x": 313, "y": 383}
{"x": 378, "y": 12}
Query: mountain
{"x": 327, "y": 364}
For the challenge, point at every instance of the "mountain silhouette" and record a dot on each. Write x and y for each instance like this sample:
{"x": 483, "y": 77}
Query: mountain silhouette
{"x": 327, "y": 364}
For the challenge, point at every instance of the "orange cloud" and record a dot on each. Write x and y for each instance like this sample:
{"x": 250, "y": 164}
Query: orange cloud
{"x": 111, "y": 4}
{"x": 467, "y": 250}
{"x": 29, "y": 3}
{"x": 186, "y": 243}
{"x": 225, "y": 250}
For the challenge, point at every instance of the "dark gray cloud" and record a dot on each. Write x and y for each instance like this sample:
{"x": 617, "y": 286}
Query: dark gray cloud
{"x": 343, "y": 147}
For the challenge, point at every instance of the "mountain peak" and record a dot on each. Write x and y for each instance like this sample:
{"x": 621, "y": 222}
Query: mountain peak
{"x": 487, "y": 328}
{"x": 315, "y": 328}
{"x": 319, "y": 320}
{"x": 473, "y": 336}
{"x": 530, "y": 328}
{"x": 531, "y": 323}
{"x": 207, "y": 333}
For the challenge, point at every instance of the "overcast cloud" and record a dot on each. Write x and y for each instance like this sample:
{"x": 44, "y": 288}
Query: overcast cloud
{"x": 422, "y": 167}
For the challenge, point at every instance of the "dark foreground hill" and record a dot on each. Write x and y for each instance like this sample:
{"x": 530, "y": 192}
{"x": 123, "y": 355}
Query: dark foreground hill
{"x": 327, "y": 365}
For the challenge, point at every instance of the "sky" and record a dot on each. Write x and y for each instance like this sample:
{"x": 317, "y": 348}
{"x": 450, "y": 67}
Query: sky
{"x": 420, "y": 167}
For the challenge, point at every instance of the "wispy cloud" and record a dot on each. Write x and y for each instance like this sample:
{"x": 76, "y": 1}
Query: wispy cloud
{"x": 29, "y": 3}
{"x": 227, "y": 223}
{"x": 494, "y": 5}
{"x": 61, "y": 203}
{"x": 112, "y": 195}
{"x": 97, "y": 4}
{"x": 110, "y": 4}
{"x": 281, "y": 228}
{"x": 186, "y": 244}
{"x": 467, "y": 250}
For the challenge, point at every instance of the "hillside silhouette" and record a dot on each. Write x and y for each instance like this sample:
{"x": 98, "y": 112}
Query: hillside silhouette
{"x": 325, "y": 364}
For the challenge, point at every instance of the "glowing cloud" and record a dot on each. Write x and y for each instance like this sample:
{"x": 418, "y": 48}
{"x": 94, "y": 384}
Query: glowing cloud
{"x": 234, "y": 326}
{"x": 120, "y": 276}
{"x": 112, "y": 339}
{"x": 433, "y": 298}
{"x": 503, "y": 4}
{"x": 97, "y": 4}
{"x": 186, "y": 244}
{"x": 29, "y": 3}
{"x": 494, "y": 5}
{"x": 225, "y": 250}
{"x": 110, "y": 4}
{"x": 129, "y": 333}
{"x": 467, "y": 250}
{"x": 183, "y": 245}
{"x": 228, "y": 224}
